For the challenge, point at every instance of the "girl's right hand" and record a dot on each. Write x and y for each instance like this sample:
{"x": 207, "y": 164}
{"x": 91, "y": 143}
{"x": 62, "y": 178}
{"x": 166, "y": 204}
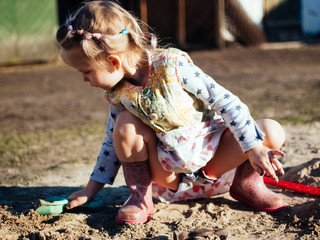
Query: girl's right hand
{"x": 83, "y": 196}
{"x": 79, "y": 198}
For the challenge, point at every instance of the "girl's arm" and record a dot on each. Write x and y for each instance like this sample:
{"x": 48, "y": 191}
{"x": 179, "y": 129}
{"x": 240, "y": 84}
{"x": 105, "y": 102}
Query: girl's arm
{"x": 234, "y": 112}
{"x": 107, "y": 164}
{"x": 106, "y": 167}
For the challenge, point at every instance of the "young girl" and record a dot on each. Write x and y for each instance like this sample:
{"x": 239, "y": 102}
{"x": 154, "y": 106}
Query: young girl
{"x": 176, "y": 132}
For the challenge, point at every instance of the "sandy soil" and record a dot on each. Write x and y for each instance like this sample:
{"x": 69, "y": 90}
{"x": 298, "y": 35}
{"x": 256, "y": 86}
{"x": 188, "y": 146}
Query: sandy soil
{"x": 43, "y": 97}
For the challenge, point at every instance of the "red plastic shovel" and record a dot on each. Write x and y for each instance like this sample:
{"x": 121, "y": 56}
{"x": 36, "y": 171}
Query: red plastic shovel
{"x": 297, "y": 187}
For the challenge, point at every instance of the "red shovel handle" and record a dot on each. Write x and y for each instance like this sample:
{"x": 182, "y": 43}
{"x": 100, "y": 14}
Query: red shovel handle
{"x": 297, "y": 187}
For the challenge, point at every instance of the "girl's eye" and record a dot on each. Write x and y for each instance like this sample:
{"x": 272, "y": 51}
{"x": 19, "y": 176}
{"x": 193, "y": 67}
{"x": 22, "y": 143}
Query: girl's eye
{"x": 87, "y": 72}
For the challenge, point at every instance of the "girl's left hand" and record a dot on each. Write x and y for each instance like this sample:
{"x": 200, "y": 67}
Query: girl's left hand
{"x": 263, "y": 160}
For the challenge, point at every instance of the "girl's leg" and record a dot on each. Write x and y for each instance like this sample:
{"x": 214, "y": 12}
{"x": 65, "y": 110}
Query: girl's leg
{"x": 229, "y": 155}
{"x": 135, "y": 145}
{"x": 248, "y": 185}
{"x": 134, "y": 142}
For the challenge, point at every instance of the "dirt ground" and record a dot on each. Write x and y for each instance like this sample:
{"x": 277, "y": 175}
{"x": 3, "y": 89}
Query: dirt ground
{"x": 283, "y": 84}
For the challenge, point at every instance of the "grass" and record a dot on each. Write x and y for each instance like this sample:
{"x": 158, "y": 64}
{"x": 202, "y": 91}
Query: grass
{"x": 23, "y": 149}
{"x": 306, "y": 114}
{"x": 302, "y": 109}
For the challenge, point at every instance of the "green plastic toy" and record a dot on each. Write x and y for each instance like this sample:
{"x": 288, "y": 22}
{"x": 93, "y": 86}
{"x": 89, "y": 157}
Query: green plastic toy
{"x": 55, "y": 205}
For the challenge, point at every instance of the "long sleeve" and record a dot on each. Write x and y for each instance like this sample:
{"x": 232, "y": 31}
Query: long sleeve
{"x": 234, "y": 112}
{"x": 107, "y": 164}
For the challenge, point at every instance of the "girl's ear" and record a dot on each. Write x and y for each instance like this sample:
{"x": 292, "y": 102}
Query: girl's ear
{"x": 115, "y": 61}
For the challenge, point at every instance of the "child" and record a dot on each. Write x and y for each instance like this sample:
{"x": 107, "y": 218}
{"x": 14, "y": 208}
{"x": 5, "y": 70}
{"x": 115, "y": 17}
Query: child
{"x": 170, "y": 125}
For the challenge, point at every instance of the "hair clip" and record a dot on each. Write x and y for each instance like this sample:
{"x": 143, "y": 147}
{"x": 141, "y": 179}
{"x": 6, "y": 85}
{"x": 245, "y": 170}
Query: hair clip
{"x": 86, "y": 35}
{"x": 124, "y": 31}
{"x": 80, "y": 32}
{"x": 96, "y": 35}
{"x": 71, "y": 32}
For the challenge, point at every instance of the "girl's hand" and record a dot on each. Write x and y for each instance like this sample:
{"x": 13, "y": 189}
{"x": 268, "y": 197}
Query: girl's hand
{"x": 83, "y": 196}
{"x": 79, "y": 198}
{"x": 263, "y": 160}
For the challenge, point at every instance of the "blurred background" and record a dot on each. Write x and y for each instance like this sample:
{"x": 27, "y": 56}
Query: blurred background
{"x": 28, "y": 26}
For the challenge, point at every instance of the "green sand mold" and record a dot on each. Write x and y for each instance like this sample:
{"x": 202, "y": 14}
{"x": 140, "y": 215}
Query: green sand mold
{"x": 55, "y": 205}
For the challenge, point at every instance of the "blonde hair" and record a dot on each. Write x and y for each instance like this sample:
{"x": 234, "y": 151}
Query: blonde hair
{"x": 102, "y": 28}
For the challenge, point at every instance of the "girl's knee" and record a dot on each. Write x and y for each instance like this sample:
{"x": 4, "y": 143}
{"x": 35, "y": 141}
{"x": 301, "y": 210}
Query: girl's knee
{"x": 130, "y": 138}
{"x": 274, "y": 133}
{"x": 125, "y": 125}
{"x": 128, "y": 125}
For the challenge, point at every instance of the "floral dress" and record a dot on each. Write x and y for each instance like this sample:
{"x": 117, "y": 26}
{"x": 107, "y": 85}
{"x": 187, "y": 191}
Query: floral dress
{"x": 188, "y": 111}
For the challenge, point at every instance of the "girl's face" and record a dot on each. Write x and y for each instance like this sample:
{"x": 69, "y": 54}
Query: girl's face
{"x": 104, "y": 76}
